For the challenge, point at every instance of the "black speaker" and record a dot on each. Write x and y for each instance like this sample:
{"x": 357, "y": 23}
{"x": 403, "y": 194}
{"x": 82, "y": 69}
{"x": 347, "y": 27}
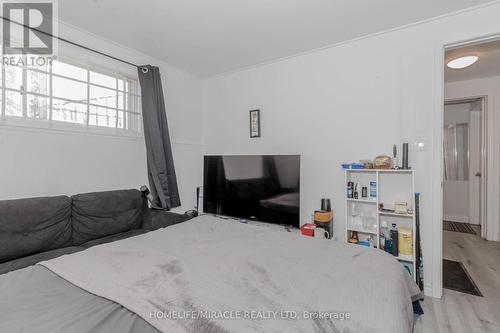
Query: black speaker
{"x": 326, "y": 205}
{"x": 405, "y": 156}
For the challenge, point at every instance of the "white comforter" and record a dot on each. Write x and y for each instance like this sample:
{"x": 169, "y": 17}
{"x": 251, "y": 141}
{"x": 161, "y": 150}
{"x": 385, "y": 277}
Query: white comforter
{"x": 213, "y": 275}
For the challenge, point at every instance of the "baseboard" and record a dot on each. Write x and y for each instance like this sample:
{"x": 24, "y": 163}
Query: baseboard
{"x": 456, "y": 218}
{"x": 428, "y": 291}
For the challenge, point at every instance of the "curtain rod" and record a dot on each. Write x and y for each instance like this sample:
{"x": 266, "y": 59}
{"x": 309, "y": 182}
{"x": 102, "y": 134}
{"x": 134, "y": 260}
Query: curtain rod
{"x": 73, "y": 43}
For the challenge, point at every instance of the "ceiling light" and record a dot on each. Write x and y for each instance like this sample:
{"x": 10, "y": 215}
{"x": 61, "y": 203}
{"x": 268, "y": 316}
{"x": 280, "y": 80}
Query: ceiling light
{"x": 462, "y": 62}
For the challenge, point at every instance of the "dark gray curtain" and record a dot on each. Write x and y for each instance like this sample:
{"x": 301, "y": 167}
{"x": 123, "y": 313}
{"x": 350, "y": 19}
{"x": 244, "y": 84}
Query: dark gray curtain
{"x": 161, "y": 170}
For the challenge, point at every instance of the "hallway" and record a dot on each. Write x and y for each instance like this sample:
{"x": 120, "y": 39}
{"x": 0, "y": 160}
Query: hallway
{"x": 457, "y": 312}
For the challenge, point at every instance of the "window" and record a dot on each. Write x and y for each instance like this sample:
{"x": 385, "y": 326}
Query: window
{"x": 68, "y": 93}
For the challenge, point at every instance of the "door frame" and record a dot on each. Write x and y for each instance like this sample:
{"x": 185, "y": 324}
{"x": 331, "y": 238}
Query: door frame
{"x": 483, "y": 216}
{"x": 435, "y": 286}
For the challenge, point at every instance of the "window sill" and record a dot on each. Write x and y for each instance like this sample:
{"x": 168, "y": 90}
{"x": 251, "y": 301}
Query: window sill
{"x": 57, "y": 127}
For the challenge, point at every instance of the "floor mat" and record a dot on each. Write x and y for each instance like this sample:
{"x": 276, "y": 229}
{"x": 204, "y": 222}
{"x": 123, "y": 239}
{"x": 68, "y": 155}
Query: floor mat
{"x": 456, "y": 277}
{"x": 458, "y": 227}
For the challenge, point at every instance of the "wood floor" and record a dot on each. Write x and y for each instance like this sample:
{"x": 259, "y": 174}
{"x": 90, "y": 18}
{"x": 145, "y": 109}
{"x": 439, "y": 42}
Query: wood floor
{"x": 457, "y": 312}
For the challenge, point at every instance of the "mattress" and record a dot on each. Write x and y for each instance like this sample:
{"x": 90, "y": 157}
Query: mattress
{"x": 35, "y": 300}
{"x": 214, "y": 265}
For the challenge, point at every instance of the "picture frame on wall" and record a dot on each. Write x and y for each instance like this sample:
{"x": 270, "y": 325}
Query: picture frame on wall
{"x": 254, "y": 123}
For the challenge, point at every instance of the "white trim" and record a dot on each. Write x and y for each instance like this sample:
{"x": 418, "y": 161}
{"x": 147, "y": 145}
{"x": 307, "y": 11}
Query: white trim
{"x": 353, "y": 40}
{"x": 59, "y": 127}
{"x": 436, "y": 193}
{"x": 428, "y": 289}
{"x": 486, "y": 159}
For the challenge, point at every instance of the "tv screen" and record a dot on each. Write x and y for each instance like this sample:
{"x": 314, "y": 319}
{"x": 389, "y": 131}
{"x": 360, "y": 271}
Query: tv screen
{"x": 256, "y": 187}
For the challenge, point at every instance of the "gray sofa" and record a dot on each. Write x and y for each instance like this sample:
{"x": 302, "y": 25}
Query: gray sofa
{"x": 38, "y": 229}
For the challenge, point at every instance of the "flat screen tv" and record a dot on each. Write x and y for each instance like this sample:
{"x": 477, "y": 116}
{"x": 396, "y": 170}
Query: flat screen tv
{"x": 255, "y": 187}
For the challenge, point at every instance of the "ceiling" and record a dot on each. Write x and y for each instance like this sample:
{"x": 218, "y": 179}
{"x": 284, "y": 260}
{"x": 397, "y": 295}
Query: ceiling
{"x": 487, "y": 65}
{"x": 208, "y": 37}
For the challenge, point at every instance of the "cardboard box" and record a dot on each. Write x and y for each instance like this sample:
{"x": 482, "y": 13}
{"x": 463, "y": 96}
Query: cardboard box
{"x": 405, "y": 242}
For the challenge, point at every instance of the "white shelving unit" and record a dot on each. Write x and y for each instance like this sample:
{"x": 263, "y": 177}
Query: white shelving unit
{"x": 392, "y": 186}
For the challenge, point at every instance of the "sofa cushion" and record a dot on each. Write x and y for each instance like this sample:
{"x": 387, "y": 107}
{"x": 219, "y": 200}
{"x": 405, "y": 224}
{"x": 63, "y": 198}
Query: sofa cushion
{"x": 99, "y": 214}
{"x": 34, "y": 225}
{"x": 36, "y": 258}
{"x": 115, "y": 237}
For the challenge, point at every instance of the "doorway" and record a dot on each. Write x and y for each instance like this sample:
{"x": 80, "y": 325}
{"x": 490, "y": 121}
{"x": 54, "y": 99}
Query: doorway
{"x": 464, "y": 153}
{"x": 470, "y": 181}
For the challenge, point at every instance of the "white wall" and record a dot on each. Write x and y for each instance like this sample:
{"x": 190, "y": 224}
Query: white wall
{"x": 348, "y": 102}
{"x": 39, "y": 162}
{"x": 489, "y": 87}
{"x": 456, "y": 113}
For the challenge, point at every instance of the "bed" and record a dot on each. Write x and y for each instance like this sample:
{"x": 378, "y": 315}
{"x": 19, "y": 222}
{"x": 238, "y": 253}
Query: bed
{"x": 212, "y": 275}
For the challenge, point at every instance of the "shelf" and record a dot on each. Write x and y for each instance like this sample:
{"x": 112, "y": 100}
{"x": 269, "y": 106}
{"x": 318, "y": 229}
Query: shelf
{"x": 395, "y": 214}
{"x": 362, "y": 231}
{"x": 395, "y": 171}
{"x": 392, "y": 185}
{"x": 406, "y": 258}
{"x": 361, "y": 170}
{"x": 362, "y": 200}
{"x": 403, "y": 171}
{"x": 403, "y": 258}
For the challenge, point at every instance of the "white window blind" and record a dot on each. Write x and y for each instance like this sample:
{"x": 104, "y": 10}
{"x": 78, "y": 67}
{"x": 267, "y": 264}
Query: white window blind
{"x": 69, "y": 93}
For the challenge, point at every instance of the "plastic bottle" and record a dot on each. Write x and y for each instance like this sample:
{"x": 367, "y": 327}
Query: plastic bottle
{"x": 394, "y": 239}
{"x": 356, "y": 188}
{"x": 383, "y": 233}
{"x": 350, "y": 190}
